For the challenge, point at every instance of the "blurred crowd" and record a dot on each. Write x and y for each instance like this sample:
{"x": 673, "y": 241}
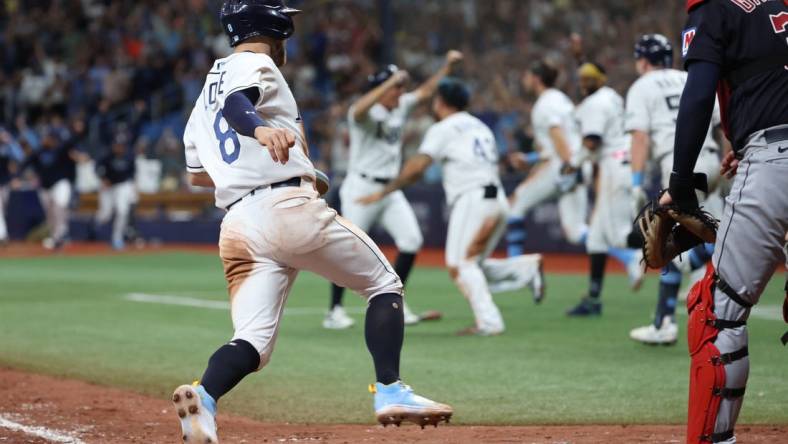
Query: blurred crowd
{"x": 88, "y": 73}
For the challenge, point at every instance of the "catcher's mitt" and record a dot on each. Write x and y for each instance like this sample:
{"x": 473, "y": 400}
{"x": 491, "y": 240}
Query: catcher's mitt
{"x": 668, "y": 231}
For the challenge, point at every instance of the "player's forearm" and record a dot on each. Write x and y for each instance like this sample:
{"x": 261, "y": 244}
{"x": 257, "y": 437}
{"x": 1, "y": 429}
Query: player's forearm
{"x": 362, "y": 106}
{"x": 640, "y": 153}
{"x": 560, "y": 144}
{"x": 695, "y": 110}
{"x": 427, "y": 89}
{"x": 411, "y": 173}
{"x": 241, "y": 115}
{"x": 201, "y": 180}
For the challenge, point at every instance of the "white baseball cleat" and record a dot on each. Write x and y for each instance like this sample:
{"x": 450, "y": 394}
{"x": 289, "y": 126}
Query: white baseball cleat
{"x": 667, "y": 334}
{"x": 410, "y": 317}
{"x": 337, "y": 319}
{"x": 396, "y": 402}
{"x": 198, "y": 425}
{"x": 635, "y": 271}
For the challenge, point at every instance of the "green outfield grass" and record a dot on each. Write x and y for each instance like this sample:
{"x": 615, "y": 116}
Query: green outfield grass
{"x": 68, "y": 316}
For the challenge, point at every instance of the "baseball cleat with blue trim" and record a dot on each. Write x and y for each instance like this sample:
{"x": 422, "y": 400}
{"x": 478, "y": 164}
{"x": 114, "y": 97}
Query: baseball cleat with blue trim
{"x": 196, "y": 410}
{"x": 396, "y": 402}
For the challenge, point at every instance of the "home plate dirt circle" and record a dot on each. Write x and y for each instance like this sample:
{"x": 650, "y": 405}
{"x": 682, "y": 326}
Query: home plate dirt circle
{"x": 100, "y": 415}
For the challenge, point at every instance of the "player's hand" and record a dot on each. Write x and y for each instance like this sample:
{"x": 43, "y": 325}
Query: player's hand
{"x": 665, "y": 199}
{"x": 372, "y": 198}
{"x": 517, "y": 160}
{"x": 730, "y": 164}
{"x": 277, "y": 140}
{"x": 453, "y": 57}
{"x": 400, "y": 77}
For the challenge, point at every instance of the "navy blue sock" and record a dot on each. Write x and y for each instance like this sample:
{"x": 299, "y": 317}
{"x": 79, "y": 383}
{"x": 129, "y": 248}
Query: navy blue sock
{"x": 403, "y": 265}
{"x": 336, "y": 295}
{"x": 669, "y": 283}
{"x": 384, "y": 331}
{"x": 598, "y": 263}
{"x": 228, "y": 366}
{"x": 515, "y": 236}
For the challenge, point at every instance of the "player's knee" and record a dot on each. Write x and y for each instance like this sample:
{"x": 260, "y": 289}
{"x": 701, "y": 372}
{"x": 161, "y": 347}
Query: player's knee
{"x": 389, "y": 283}
{"x": 411, "y": 243}
{"x": 259, "y": 342}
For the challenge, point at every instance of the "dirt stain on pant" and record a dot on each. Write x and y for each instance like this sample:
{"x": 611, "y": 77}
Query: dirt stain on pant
{"x": 237, "y": 262}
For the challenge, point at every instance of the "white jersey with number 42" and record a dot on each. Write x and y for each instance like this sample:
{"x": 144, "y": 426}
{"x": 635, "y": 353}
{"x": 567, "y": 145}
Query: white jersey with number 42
{"x": 653, "y": 107}
{"x": 238, "y": 164}
{"x": 465, "y": 148}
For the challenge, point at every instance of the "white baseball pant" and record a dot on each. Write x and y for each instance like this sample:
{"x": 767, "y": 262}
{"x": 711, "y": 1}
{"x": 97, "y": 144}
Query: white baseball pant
{"x": 4, "y": 194}
{"x": 393, "y": 212}
{"x": 56, "y": 201}
{"x": 268, "y": 237}
{"x": 611, "y": 221}
{"x": 476, "y": 225}
{"x": 542, "y": 185}
{"x": 116, "y": 199}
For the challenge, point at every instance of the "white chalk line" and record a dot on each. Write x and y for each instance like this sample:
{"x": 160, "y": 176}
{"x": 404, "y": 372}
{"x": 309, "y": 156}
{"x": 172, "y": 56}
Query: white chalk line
{"x": 40, "y": 432}
{"x": 186, "y": 301}
{"x": 765, "y": 312}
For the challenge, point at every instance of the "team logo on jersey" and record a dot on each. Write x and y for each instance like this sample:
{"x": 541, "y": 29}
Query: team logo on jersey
{"x": 686, "y": 40}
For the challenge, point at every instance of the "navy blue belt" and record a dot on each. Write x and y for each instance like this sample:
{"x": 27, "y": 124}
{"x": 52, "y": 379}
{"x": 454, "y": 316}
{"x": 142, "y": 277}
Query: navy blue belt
{"x": 292, "y": 182}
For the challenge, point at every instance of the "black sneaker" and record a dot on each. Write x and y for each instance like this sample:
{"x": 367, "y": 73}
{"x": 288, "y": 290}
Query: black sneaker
{"x": 586, "y": 307}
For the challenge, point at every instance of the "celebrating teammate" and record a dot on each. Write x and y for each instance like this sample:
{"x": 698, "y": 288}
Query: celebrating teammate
{"x": 55, "y": 167}
{"x": 465, "y": 147}
{"x": 245, "y": 138}
{"x": 376, "y": 122}
{"x": 558, "y": 141}
{"x": 742, "y": 48}
{"x": 118, "y": 193}
{"x": 652, "y": 110}
{"x": 601, "y": 120}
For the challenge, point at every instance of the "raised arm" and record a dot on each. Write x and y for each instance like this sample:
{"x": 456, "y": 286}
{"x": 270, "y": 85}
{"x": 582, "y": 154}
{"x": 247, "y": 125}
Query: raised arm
{"x": 362, "y": 106}
{"x": 427, "y": 89}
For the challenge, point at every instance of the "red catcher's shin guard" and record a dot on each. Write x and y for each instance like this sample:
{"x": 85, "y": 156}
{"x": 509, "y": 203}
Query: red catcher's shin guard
{"x": 707, "y": 373}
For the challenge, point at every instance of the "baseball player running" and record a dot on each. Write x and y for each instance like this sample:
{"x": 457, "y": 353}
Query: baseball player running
{"x": 6, "y": 160}
{"x": 55, "y": 168}
{"x": 558, "y": 141}
{"x": 465, "y": 148}
{"x": 600, "y": 117}
{"x": 118, "y": 192}
{"x": 740, "y": 49}
{"x": 376, "y": 122}
{"x": 651, "y": 114}
{"x": 246, "y": 139}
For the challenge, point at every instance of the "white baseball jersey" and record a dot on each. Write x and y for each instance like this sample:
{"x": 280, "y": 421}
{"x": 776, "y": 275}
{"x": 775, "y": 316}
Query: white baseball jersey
{"x": 554, "y": 108}
{"x": 238, "y": 164}
{"x": 653, "y": 107}
{"x": 376, "y": 140}
{"x": 602, "y": 114}
{"x": 465, "y": 148}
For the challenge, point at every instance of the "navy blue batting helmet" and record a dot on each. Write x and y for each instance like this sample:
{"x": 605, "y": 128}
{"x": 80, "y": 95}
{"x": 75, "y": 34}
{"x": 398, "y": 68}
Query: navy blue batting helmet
{"x": 655, "y": 48}
{"x": 383, "y": 74}
{"x": 454, "y": 92}
{"x": 244, "y": 19}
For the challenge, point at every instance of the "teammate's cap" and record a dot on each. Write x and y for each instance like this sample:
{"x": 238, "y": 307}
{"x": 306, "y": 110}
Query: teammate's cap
{"x": 454, "y": 92}
{"x": 546, "y": 71}
{"x": 244, "y": 19}
{"x": 383, "y": 74}
{"x": 655, "y": 48}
